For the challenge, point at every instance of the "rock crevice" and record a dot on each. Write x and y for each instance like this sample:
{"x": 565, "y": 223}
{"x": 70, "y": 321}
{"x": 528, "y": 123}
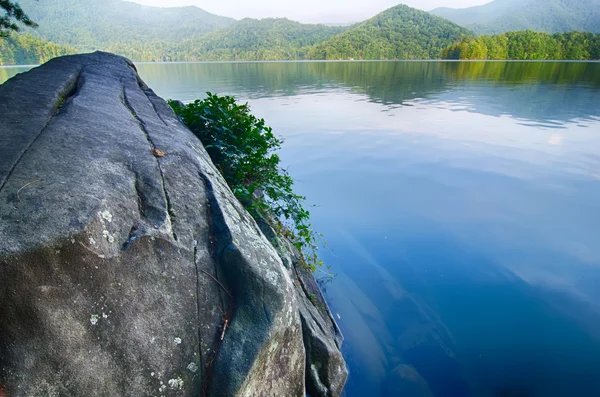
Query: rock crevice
{"x": 157, "y": 154}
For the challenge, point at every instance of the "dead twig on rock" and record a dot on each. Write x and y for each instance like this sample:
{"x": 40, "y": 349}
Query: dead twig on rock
{"x": 225, "y": 324}
{"x": 220, "y": 336}
{"x": 226, "y": 315}
{"x": 24, "y": 186}
{"x": 218, "y": 282}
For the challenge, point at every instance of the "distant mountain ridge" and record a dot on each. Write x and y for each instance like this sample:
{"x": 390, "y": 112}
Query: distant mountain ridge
{"x": 400, "y": 32}
{"x": 144, "y": 33}
{"x": 259, "y": 39}
{"x": 190, "y": 34}
{"x": 550, "y": 16}
{"x": 98, "y": 24}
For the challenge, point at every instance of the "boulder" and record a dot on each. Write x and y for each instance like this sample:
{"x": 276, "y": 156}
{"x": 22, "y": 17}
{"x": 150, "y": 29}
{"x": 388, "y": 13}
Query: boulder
{"x": 127, "y": 266}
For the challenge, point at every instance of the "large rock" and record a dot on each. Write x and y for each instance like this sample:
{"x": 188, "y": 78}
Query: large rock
{"x": 128, "y": 273}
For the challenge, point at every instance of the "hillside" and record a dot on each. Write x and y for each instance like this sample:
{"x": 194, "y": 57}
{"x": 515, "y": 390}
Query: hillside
{"x": 551, "y": 16}
{"x": 91, "y": 24}
{"x": 190, "y": 34}
{"x": 400, "y": 32}
{"x": 29, "y": 50}
{"x": 251, "y": 39}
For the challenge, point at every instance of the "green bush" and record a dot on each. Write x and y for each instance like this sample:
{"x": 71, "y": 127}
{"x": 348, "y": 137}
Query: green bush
{"x": 242, "y": 147}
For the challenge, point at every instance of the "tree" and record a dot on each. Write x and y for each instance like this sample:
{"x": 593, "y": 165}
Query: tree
{"x": 527, "y": 45}
{"x": 13, "y": 14}
{"x": 242, "y": 147}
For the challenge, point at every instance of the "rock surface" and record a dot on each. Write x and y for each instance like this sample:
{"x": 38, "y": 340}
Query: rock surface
{"x": 325, "y": 367}
{"x": 127, "y": 266}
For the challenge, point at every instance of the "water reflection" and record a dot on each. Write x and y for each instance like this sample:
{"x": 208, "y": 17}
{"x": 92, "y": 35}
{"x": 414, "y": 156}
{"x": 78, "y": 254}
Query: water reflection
{"x": 6, "y": 72}
{"x": 541, "y": 92}
{"x": 538, "y": 92}
{"x": 466, "y": 240}
{"x": 466, "y": 275}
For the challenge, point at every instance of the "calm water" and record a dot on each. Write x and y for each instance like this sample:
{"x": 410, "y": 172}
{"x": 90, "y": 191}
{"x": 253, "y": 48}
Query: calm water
{"x": 462, "y": 201}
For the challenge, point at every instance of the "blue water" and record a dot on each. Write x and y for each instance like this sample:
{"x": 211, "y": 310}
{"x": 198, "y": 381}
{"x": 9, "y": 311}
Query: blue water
{"x": 462, "y": 205}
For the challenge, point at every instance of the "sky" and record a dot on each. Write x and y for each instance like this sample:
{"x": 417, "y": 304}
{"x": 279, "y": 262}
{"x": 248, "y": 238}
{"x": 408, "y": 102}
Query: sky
{"x": 314, "y": 11}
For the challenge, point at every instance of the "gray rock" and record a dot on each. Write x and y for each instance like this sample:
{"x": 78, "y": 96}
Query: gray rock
{"x": 326, "y": 371}
{"x": 127, "y": 267}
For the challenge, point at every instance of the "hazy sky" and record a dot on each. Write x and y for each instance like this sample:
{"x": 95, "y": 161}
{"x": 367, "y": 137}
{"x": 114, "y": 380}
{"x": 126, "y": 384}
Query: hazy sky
{"x": 333, "y": 11}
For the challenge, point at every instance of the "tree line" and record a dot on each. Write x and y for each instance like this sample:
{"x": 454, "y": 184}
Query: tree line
{"x": 29, "y": 50}
{"x": 527, "y": 45}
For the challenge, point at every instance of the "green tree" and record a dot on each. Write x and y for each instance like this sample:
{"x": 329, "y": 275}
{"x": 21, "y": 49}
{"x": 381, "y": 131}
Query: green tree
{"x": 29, "y": 50}
{"x": 13, "y": 14}
{"x": 527, "y": 45}
{"x": 242, "y": 147}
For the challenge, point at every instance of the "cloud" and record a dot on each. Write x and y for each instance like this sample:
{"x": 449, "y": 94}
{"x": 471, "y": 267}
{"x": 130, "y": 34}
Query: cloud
{"x": 555, "y": 139}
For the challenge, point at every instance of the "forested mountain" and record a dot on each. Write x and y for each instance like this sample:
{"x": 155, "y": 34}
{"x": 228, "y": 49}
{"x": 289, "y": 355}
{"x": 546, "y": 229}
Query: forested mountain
{"x": 170, "y": 34}
{"x": 551, "y": 16}
{"x": 101, "y": 24}
{"x": 29, "y": 50}
{"x": 527, "y": 45}
{"x": 191, "y": 34}
{"x": 400, "y": 32}
{"x": 252, "y": 39}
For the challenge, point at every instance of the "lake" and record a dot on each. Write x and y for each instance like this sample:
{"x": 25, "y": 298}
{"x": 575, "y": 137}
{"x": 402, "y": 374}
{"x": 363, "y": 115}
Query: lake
{"x": 461, "y": 204}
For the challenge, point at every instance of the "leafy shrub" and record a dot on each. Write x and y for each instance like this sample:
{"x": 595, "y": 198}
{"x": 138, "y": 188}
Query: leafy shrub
{"x": 242, "y": 147}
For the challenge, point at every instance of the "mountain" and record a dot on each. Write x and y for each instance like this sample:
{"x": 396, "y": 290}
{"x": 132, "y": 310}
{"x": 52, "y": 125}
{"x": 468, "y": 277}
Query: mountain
{"x": 551, "y": 16}
{"x": 400, "y": 32}
{"x": 88, "y": 25}
{"x": 264, "y": 39}
{"x": 191, "y": 34}
{"x": 170, "y": 34}
{"x": 29, "y": 50}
